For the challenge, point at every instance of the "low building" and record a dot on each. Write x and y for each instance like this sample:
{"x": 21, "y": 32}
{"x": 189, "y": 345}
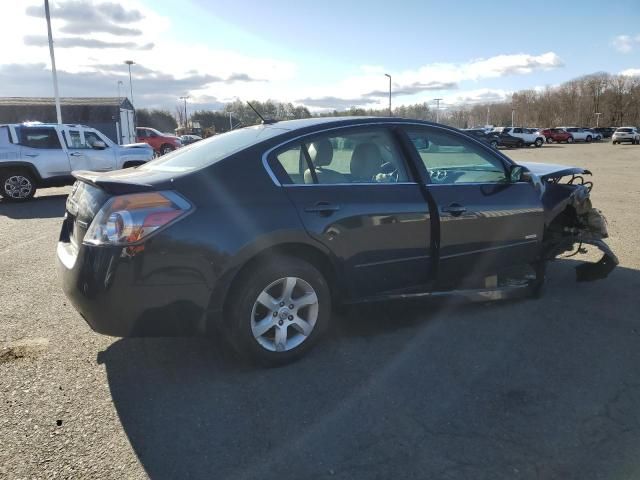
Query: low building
{"x": 113, "y": 116}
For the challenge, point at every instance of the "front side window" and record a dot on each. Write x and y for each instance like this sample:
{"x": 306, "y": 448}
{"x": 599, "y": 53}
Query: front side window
{"x": 451, "y": 159}
{"x": 39, "y": 137}
{"x": 360, "y": 156}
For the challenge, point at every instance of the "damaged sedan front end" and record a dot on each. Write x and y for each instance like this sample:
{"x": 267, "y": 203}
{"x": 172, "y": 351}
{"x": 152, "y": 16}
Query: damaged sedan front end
{"x": 571, "y": 221}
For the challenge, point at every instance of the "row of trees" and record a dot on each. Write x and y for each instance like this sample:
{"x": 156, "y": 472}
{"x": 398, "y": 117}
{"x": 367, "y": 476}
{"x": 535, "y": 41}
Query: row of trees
{"x": 615, "y": 97}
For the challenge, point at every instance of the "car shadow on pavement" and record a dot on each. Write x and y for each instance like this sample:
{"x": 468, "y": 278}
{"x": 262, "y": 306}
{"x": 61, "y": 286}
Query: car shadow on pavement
{"x": 543, "y": 388}
{"x": 50, "y": 206}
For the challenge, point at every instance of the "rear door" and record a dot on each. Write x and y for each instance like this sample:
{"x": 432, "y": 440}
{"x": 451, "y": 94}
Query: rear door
{"x": 354, "y": 194}
{"x": 42, "y": 147}
{"x": 486, "y": 223}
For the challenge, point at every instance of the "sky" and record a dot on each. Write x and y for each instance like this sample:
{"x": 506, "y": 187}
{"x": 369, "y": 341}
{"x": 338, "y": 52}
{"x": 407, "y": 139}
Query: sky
{"x": 326, "y": 55}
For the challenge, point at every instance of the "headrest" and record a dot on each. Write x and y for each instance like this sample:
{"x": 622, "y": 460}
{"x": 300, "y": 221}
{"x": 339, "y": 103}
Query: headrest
{"x": 366, "y": 161}
{"x": 321, "y": 153}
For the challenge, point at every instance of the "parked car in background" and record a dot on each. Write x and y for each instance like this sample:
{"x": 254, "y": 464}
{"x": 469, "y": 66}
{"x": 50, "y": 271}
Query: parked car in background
{"x": 161, "y": 143}
{"x": 509, "y": 141}
{"x": 257, "y": 233}
{"x": 490, "y": 138}
{"x": 188, "y": 139}
{"x": 626, "y": 134}
{"x": 595, "y": 136}
{"x": 579, "y": 134}
{"x": 528, "y": 136}
{"x": 557, "y": 135}
{"x": 36, "y": 155}
{"x": 605, "y": 132}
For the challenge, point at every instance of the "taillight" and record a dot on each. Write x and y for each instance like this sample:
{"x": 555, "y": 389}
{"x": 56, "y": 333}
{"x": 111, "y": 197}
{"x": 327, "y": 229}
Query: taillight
{"x": 130, "y": 219}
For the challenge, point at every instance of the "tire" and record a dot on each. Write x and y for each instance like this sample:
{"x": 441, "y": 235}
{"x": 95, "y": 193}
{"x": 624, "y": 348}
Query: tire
{"x": 570, "y": 140}
{"x": 260, "y": 341}
{"x": 614, "y": 143}
{"x": 538, "y": 143}
{"x": 17, "y": 185}
{"x": 549, "y": 140}
{"x": 164, "y": 149}
{"x": 520, "y": 144}
{"x": 493, "y": 144}
{"x": 589, "y": 139}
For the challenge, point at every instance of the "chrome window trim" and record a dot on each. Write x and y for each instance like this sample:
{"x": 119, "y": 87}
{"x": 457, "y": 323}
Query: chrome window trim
{"x": 290, "y": 185}
{"x": 265, "y": 155}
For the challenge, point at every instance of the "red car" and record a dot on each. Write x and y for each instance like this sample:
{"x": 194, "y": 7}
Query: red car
{"x": 557, "y": 135}
{"x": 160, "y": 142}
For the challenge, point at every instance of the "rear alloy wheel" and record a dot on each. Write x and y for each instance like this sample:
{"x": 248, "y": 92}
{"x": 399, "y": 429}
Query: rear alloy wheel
{"x": 570, "y": 140}
{"x": 538, "y": 143}
{"x": 280, "y": 311}
{"x": 17, "y": 186}
{"x": 549, "y": 140}
{"x": 494, "y": 144}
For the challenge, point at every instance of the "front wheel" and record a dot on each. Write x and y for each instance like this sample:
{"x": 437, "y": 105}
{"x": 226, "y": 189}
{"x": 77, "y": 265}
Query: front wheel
{"x": 279, "y": 311}
{"x": 570, "y": 140}
{"x": 549, "y": 140}
{"x": 494, "y": 144}
{"x": 17, "y": 185}
{"x": 589, "y": 138}
{"x": 538, "y": 143}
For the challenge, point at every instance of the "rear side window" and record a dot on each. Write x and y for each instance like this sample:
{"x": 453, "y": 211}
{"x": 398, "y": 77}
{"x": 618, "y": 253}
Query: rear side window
{"x": 354, "y": 156}
{"x": 451, "y": 159}
{"x": 39, "y": 137}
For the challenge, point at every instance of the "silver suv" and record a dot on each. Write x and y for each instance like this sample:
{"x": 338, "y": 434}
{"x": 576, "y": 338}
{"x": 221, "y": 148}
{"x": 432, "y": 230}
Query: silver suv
{"x": 34, "y": 155}
{"x": 626, "y": 134}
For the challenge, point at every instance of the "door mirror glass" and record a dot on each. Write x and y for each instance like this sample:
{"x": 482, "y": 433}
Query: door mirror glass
{"x": 515, "y": 173}
{"x": 98, "y": 145}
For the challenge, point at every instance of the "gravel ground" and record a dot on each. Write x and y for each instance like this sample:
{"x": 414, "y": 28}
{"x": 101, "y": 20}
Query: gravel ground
{"x": 530, "y": 389}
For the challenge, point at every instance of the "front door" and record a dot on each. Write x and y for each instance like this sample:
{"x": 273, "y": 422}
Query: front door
{"x": 487, "y": 224}
{"x": 354, "y": 194}
{"x": 83, "y": 156}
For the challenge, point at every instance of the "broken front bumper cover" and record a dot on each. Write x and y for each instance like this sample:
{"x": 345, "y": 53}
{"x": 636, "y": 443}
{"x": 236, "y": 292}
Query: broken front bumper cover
{"x": 588, "y": 271}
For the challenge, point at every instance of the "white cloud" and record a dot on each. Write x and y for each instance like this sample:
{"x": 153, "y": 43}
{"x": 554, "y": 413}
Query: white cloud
{"x": 631, "y": 72}
{"x": 626, "y": 43}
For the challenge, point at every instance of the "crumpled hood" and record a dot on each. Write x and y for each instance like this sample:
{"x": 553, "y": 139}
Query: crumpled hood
{"x": 549, "y": 170}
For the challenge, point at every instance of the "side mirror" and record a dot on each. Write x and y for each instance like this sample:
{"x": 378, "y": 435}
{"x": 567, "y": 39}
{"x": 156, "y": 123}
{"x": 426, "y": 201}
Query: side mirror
{"x": 99, "y": 145}
{"x": 515, "y": 173}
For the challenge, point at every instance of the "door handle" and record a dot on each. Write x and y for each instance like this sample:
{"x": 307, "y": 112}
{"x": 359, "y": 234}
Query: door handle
{"x": 454, "y": 209}
{"x": 32, "y": 155}
{"x": 323, "y": 208}
{"x": 75, "y": 154}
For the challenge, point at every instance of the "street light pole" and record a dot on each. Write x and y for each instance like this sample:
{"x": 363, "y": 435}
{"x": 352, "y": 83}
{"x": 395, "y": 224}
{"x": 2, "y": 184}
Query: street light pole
{"x": 230, "y": 122}
{"x": 598, "y": 119}
{"x": 387, "y": 75}
{"x": 437, "y": 100}
{"x": 130, "y": 62}
{"x": 513, "y": 116}
{"x": 185, "y": 110}
{"x": 120, "y": 83}
{"x": 488, "y": 114}
{"x": 53, "y": 62}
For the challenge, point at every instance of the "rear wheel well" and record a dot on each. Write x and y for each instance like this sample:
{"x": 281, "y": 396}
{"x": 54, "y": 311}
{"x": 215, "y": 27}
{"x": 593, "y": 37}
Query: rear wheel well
{"x": 133, "y": 163}
{"x": 301, "y": 251}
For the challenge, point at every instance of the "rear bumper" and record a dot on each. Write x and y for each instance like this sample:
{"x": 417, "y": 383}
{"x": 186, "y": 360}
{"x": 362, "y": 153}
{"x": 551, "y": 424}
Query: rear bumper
{"x": 120, "y": 295}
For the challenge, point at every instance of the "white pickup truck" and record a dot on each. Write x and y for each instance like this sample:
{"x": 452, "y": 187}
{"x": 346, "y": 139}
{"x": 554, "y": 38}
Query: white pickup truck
{"x": 34, "y": 155}
{"x": 528, "y": 135}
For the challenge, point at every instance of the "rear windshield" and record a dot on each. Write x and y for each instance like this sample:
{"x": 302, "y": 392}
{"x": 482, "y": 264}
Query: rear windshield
{"x": 211, "y": 150}
{"x": 624, "y": 130}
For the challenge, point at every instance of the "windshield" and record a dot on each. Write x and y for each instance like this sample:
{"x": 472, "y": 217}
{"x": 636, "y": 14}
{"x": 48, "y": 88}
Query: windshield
{"x": 211, "y": 150}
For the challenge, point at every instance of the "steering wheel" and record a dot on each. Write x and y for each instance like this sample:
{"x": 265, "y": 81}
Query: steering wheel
{"x": 438, "y": 176}
{"x": 387, "y": 168}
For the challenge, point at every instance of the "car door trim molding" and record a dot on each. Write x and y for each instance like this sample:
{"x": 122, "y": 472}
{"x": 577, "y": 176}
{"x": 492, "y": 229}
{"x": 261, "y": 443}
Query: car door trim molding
{"x": 395, "y": 260}
{"x": 489, "y": 249}
{"x": 272, "y": 175}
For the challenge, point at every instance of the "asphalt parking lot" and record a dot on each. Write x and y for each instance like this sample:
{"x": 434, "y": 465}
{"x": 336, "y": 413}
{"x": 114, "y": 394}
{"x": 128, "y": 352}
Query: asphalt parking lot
{"x": 546, "y": 389}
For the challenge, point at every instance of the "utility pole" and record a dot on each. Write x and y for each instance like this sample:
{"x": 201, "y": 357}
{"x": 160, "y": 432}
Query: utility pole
{"x": 488, "y": 115}
{"x": 387, "y": 75}
{"x": 437, "y": 100}
{"x": 53, "y": 62}
{"x": 185, "y": 110}
{"x": 130, "y": 62}
{"x": 120, "y": 83}
{"x": 230, "y": 122}
{"x": 598, "y": 119}
{"x": 513, "y": 116}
